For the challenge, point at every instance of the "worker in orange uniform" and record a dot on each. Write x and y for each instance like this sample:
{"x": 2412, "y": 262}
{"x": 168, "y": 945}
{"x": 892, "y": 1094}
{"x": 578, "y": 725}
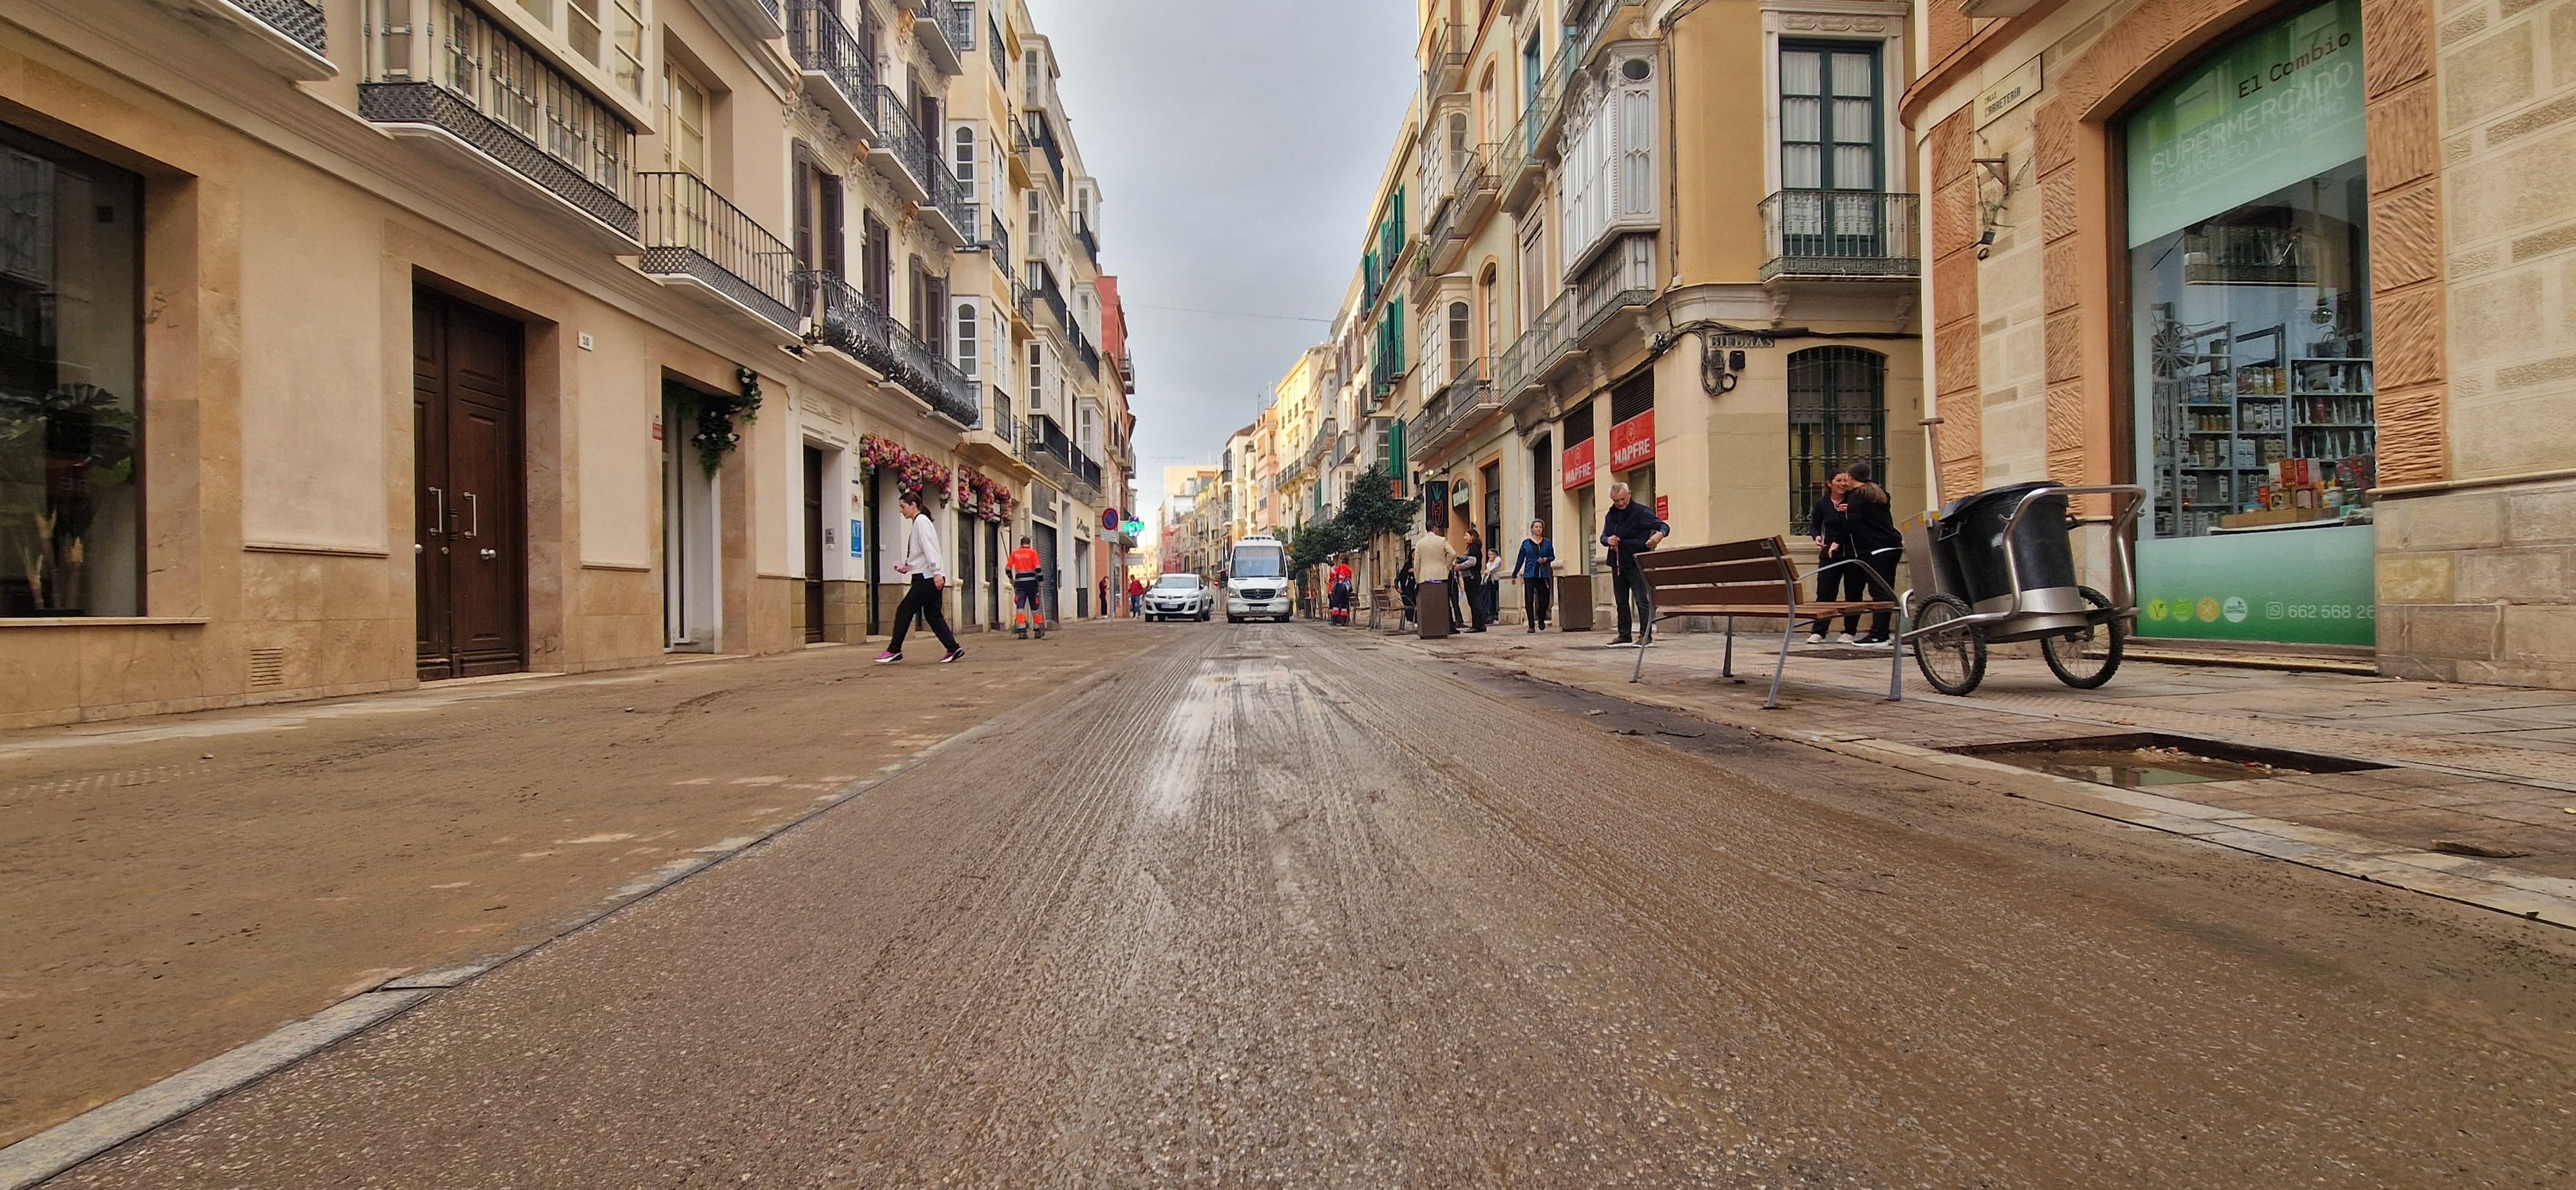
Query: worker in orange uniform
{"x": 1028, "y": 582}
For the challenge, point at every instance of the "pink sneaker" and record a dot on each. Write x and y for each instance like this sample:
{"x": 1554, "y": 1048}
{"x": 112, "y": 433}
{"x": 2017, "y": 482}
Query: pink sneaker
{"x": 888, "y": 657}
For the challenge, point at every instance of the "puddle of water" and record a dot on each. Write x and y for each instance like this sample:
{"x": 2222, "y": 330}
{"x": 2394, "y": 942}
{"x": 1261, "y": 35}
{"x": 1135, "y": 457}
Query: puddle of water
{"x": 2138, "y": 768}
{"x": 2142, "y": 760}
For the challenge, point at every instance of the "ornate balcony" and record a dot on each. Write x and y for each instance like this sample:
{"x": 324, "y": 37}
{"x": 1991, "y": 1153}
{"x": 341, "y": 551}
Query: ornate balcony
{"x": 1841, "y": 234}
{"x": 1541, "y": 350}
{"x": 836, "y": 72}
{"x": 1462, "y": 405}
{"x": 695, "y": 239}
{"x": 290, "y": 37}
{"x": 910, "y": 159}
{"x": 1619, "y": 278}
{"x": 456, "y": 83}
{"x": 947, "y": 33}
{"x": 846, "y": 321}
{"x": 1444, "y": 68}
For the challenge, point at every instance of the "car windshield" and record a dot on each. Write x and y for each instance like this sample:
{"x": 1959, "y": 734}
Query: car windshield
{"x": 1177, "y": 582}
{"x": 1260, "y": 561}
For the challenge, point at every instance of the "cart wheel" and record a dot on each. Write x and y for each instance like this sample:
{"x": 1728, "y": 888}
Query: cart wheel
{"x": 1954, "y": 661}
{"x": 2066, "y": 654}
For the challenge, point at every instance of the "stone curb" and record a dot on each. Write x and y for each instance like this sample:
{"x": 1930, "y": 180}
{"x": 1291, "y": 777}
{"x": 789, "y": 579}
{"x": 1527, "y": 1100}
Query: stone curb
{"x": 58, "y": 1149}
{"x": 2456, "y": 878}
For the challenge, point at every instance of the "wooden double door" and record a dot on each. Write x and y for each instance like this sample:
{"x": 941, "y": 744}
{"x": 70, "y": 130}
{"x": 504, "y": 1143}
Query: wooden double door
{"x": 470, "y": 519}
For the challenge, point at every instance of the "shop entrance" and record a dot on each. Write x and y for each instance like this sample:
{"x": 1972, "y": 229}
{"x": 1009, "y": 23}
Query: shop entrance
{"x": 813, "y": 546}
{"x": 470, "y": 552}
{"x": 2253, "y": 411}
{"x": 688, "y": 530}
{"x": 1044, "y": 534}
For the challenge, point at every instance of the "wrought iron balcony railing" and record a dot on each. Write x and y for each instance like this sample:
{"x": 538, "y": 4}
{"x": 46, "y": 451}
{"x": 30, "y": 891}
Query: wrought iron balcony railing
{"x": 1841, "y": 233}
{"x": 1620, "y": 277}
{"x": 847, "y": 321}
{"x": 1536, "y": 351}
{"x": 456, "y": 71}
{"x": 999, "y": 421}
{"x": 1001, "y": 54}
{"x": 823, "y": 46}
{"x": 1461, "y": 404}
{"x": 1446, "y": 65}
{"x": 927, "y": 372}
{"x": 957, "y": 21}
{"x": 691, "y": 231}
{"x": 300, "y": 20}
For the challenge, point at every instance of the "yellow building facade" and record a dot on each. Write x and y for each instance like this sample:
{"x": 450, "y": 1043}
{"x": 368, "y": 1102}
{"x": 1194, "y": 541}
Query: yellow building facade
{"x": 373, "y": 342}
{"x": 1673, "y": 245}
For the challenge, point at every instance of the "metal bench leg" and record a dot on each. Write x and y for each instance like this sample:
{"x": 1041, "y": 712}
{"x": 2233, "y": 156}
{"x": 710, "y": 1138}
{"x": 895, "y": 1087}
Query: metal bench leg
{"x": 1782, "y": 668}
{"x": 1896, "y": 658}
{"x": 1728, "y": 669}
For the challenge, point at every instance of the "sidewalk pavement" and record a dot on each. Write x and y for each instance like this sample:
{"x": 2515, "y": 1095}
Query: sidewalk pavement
{"x": 2490, "y": 767}
{"x": 178, "y": 886}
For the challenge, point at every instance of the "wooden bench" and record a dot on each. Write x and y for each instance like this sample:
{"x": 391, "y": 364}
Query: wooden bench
{"x": 1754, "y": 578}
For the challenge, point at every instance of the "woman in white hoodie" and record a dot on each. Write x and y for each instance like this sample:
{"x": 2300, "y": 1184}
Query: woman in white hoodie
{"x": 921, "y": 561}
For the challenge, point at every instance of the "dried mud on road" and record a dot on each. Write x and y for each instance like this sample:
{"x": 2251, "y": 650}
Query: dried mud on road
{"x": 1272, "y": 906}
{"x": 174, "y": 887}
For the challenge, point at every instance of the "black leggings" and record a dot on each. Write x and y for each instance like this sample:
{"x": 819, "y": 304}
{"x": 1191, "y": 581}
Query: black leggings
{"x": 1838, "y": 584}
{"x": 1534, "y": 595}
{"x": 922, "y": 600}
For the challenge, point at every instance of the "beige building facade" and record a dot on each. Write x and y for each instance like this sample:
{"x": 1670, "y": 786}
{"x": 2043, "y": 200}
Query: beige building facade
{"x": 391, "y": 341}
{"x": 2303, "y": 271}
{"x": 1668, "y": 245}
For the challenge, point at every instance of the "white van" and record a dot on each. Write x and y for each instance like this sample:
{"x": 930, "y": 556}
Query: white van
{"x": 1256, "y": 583}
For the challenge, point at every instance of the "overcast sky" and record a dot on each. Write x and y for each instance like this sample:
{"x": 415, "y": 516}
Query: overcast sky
{"x": 1238, "y": 144}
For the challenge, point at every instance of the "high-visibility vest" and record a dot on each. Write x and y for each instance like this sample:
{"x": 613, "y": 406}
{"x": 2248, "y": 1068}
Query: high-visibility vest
{"x": 1024, "y": 560}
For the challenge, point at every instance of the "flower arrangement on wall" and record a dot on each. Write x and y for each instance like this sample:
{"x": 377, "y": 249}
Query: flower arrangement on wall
{"x": 917, "y": 474}
{"x": 981, "y": 497}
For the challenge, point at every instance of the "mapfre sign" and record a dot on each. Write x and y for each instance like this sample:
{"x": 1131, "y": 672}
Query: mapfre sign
{"x": 1632, "y": 442}
{"x": 1578, "y": 464}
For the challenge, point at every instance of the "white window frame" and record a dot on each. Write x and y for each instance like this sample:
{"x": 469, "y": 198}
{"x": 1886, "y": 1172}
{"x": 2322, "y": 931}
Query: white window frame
{"x": 968, "y": 336}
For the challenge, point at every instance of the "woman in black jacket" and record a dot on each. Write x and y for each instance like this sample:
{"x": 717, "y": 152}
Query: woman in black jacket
{"x": 1828, "y": 524}
{"x": 1872, "y": 525}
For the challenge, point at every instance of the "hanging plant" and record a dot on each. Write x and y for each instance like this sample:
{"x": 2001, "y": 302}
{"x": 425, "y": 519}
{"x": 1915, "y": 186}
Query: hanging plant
{"x": 716, "y": 436}
{"x": 879, "y": 454}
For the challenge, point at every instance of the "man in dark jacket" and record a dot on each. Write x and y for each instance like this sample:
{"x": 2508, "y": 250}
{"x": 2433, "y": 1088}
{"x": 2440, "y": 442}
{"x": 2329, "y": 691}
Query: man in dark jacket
{"x": 1628, "y": 531}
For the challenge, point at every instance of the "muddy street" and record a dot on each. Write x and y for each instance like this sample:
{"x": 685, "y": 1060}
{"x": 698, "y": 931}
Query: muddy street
{"x": 1286, "y": 906}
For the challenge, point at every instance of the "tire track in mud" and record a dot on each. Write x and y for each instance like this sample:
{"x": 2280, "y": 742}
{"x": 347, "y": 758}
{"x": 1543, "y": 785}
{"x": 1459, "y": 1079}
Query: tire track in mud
{"x": 1254, "y": 909}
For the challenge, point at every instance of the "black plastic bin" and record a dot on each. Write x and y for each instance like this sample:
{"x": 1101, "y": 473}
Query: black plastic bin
{"x": 1970, "y": 535}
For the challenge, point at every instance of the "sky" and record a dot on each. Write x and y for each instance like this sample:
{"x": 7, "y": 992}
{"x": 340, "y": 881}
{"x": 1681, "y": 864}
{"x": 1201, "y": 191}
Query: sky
{"x": 1238, "y": 145}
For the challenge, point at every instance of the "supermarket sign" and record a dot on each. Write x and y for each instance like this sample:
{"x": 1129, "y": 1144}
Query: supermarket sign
{"x": 2293, "y": 586}
{"x": 1632, "y": 442}
{"x": 1578, "y": 465}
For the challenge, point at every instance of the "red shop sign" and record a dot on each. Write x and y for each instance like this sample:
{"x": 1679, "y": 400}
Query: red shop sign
{"x": 1632, "y": 442}
{"x": 1578, "y": 464}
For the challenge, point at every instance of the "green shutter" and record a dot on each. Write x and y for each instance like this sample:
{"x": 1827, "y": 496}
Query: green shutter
{"x": 1395, "y": 456}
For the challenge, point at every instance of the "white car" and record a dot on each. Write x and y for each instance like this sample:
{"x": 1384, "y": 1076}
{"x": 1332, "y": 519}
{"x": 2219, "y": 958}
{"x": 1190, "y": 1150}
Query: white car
{"x": 1177, "y": 597}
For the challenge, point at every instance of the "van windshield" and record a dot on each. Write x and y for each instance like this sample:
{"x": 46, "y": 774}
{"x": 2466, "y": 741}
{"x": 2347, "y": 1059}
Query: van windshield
{"x": 1260, "y": 561}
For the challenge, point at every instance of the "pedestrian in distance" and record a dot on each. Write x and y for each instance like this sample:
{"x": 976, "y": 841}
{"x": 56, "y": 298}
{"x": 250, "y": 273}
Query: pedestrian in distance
{"x": 1103, "y": 605}
{"x": 1535, "y": 566}
{"x": 921, "y": 560}
{"x": 1028, "y": 585}
{"x": 1829, "y": 525}
{"x": 1874, "y": 540}
{"x": 1431, "y": 557}
{"x": 1406, "y": 589}
{"x": 1630, "y": 530}
{"x": 1494, "y": 573}
{"x": 1467, "y": 577}
{"x": 1135, "y": 597}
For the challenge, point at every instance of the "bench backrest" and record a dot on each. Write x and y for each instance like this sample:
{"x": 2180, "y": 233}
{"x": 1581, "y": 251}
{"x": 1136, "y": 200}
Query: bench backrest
{"x": 1729, "y": 573}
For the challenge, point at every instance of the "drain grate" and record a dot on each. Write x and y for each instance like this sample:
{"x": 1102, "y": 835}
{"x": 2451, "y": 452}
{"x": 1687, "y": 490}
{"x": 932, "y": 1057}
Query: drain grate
{"x": 2136, "y": 760}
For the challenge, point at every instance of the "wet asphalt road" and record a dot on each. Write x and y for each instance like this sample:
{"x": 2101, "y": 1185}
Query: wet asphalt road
{"x": 1282, "y": 906}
